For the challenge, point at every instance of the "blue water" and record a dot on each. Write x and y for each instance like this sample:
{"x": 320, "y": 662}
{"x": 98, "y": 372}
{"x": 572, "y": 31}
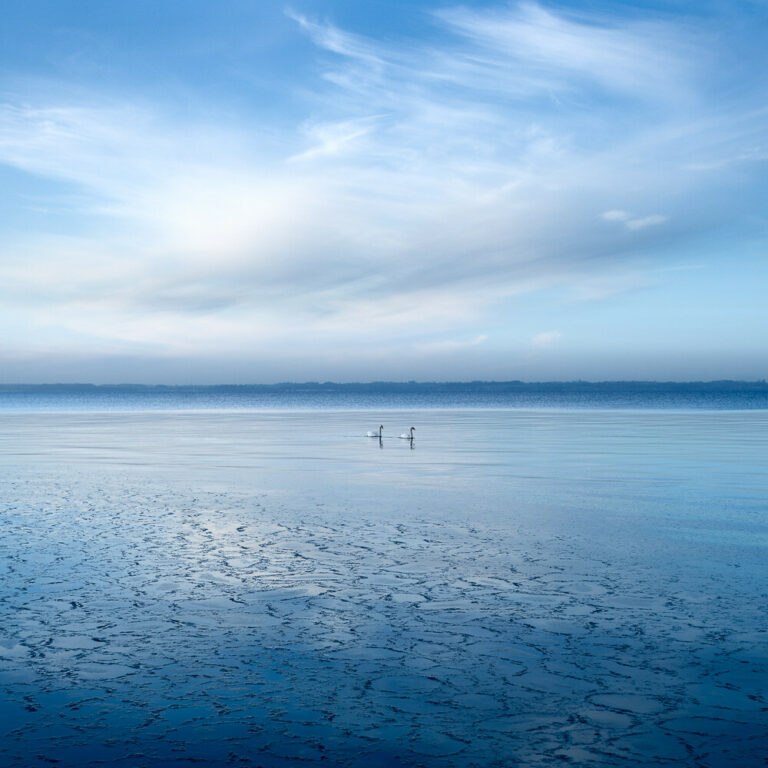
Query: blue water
{"x": 723, "y": 395}
{"x": 516, "y": 587}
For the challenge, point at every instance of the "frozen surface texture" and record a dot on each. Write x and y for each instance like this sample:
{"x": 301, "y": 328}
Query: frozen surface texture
{"x": 511, "y": 589}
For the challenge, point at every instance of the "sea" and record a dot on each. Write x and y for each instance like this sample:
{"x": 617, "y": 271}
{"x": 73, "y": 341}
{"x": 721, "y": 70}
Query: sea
{"x": 552, "y": 574}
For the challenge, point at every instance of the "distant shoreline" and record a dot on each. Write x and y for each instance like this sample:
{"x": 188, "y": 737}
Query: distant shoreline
{"x": 497, "y": 387}
{"x": 697, "y": 395}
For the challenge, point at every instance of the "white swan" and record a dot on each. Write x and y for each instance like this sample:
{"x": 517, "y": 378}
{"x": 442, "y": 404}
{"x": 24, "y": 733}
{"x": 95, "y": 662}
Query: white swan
{"x": 408, "y": 436}
{"x": 375, "y": 434}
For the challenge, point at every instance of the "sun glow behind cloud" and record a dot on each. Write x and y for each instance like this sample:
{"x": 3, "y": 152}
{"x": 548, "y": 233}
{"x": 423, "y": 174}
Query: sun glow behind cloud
{"x": 424, "y": 186}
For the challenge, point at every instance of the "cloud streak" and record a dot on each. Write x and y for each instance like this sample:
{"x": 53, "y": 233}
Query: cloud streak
{"x": 633, "y": 222}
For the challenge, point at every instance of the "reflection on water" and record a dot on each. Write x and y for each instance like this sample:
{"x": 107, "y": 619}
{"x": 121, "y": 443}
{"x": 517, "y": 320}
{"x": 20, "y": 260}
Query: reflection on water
{"x": 513, "y": 588}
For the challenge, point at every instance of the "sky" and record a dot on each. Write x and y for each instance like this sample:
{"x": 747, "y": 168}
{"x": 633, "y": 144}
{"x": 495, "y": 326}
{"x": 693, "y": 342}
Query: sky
{"x": 253, "y": 192}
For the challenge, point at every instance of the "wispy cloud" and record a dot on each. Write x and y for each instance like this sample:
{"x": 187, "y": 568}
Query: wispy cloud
{"x": 449, "y": 345}
{"x": 546, "y": 339}
{"x": 646, "y": 221}
{"x": 556, "y": 49}
{"x": 423, "y": 183}
{"x": 615, "y": 215}
{"x": 633, "y": 222}
{"x": 330, "y": 139}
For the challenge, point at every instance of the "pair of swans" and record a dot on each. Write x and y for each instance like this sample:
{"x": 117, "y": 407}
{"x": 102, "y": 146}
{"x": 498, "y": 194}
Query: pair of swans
{"x": 404, "y": 436}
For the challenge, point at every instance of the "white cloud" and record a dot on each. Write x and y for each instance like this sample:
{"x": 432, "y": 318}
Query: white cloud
{"x": 632, "y": 222}
{"x": 546, "y": 339}
{"x": 554, "y": 48}
{"x": 334, "y": 138}
{"x": 616, "y": 215}
{"x": 423, "y": 186}
{"x": 646, "y": 221}
{"x": 449, "y": 345}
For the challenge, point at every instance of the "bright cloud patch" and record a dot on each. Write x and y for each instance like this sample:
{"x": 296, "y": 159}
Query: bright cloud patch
{"x": 616, "y": 215}
{"x": 546, "y": 339}
{"x": 449, "y": 345}
{"x": 646, "y": 221}
{"x": 633, "y": 222}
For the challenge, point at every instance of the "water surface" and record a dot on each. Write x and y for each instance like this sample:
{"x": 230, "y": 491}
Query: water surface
{"x": 514, "y": 588}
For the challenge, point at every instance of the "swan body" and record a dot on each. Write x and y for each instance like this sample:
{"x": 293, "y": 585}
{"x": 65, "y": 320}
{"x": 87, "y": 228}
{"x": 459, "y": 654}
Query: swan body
{"x": 375, "y": 434}
{"x": 409, "y": 436}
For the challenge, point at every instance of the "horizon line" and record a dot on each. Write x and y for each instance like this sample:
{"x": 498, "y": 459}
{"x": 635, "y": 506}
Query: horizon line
{"x": 410, "y": 382}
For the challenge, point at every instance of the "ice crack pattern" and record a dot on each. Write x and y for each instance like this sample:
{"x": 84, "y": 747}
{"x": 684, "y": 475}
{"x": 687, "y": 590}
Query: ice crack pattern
{"x": 150, "y": 621}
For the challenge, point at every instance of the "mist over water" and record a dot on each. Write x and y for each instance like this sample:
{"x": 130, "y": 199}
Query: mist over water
{"x": 513, "y": 587}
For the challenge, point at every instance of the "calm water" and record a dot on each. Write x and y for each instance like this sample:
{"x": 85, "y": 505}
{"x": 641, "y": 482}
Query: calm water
{"x": 717, "y": 395}
{"x": 516, "y": 587}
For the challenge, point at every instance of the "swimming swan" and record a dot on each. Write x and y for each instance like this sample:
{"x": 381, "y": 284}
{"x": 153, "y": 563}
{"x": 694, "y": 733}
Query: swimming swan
{"x": 409, "y": 436}
{"x": 375, "y": 434}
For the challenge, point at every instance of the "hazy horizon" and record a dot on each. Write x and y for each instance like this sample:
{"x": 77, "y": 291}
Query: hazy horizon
{"x": 393, "y": 383}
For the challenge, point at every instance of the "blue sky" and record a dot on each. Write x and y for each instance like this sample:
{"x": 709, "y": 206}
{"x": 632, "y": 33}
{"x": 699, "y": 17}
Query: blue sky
{"x": 255, "y": 192}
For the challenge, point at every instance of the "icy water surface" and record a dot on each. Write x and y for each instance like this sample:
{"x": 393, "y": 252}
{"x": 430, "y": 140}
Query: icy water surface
{"x": 512, "y": 589}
